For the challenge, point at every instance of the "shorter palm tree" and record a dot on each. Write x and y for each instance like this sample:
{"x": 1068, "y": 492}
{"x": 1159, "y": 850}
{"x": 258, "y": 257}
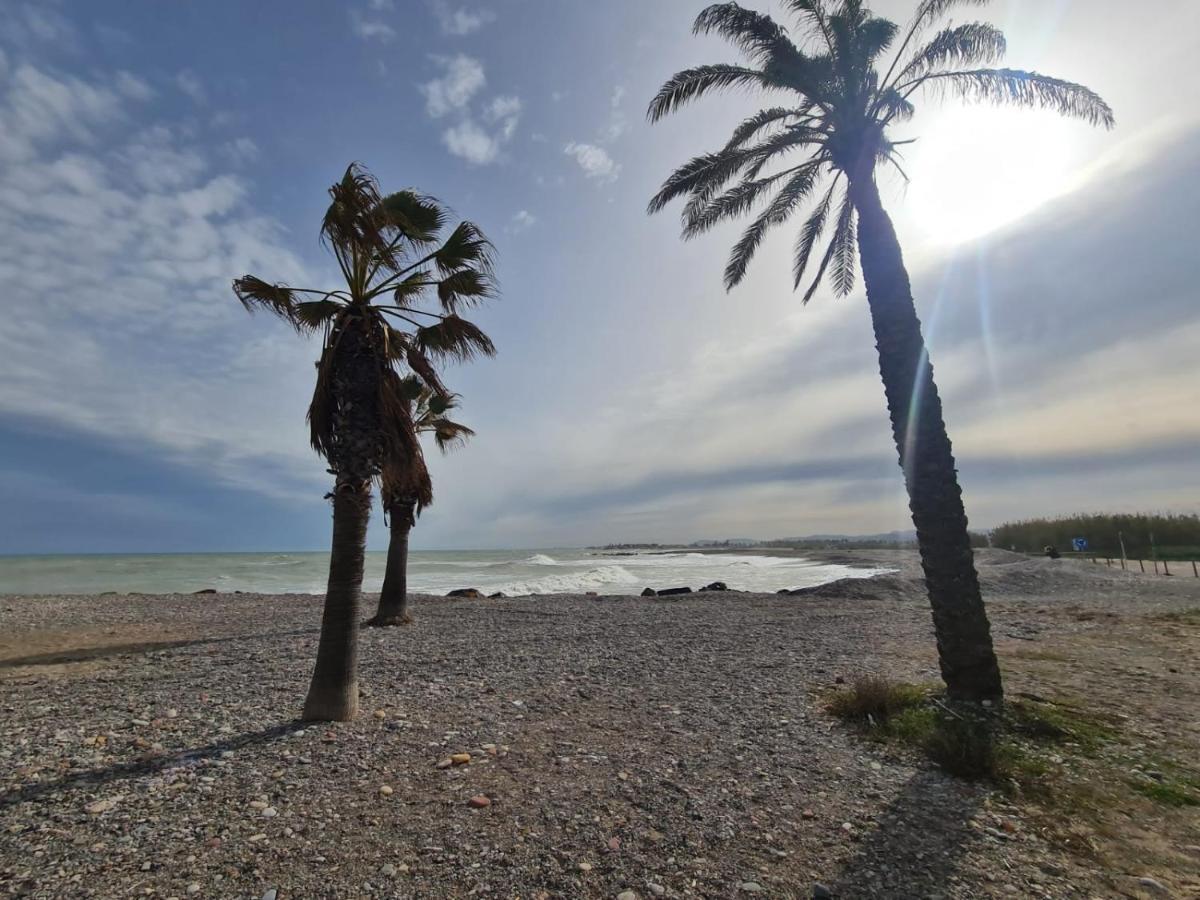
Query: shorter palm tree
{"x": 409, "y": 490}
{"x": 392, "y": 257}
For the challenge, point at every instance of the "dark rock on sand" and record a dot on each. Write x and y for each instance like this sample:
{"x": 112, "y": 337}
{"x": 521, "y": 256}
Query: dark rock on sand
{"x": 649, "y": 592}
{"x": 467, "y": 593}
{"x": 499, "y": 595}
{"x": 715, "y": 586}
{"x": 205, "y": 591}
{"x": 671, "y": 592}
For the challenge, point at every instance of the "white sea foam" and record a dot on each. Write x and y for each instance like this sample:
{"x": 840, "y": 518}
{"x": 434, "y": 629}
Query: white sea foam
{"x": 574, "y": 583}
{"x": 541, "y": 559}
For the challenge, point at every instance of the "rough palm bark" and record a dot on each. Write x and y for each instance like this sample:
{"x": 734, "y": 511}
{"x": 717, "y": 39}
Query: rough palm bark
{"x": 393, "y": 598}
{"x": 355, "y": 461}
{"x": 964, "y": 642}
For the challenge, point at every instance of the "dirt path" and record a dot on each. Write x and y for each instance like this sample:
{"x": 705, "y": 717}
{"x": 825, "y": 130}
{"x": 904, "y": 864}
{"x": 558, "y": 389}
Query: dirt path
{"x": 673, "y": 746}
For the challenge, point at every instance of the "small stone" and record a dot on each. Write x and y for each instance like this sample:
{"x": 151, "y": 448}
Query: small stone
{"x": 444, "y": 763}
{"x": 847, "y": 827}
{"x": 460, "y": 759}
{"x": 820, "y": 892}
{"x": 172, "y": 714}
{"x": 97, "y": 807}
{"x": 380, "y": 714}
{"x": 193, "y": 888}
{"x": 627, "y": 895}
{"x": 750, "y": 887}
{"x": 1153, "y": 886}
{"x": 808, "y": 814}
{"x": 258, "y": 804}
{"x": 270, "y": 894}
{"x": 585, "y": 867}
{"x": 839, "y": 680}
{"x": 656, "y": 889}
{"x": 270, "y": 812}
{"x": 386, "y": 790}
{"x": 479, "y": 801}
{"x": 388, "y": 870}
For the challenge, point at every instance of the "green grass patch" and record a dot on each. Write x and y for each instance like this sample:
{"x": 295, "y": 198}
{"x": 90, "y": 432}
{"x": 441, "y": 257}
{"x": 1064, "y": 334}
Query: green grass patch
{"x": 1166, "y": 792}
{"x": 1011, "y": 744}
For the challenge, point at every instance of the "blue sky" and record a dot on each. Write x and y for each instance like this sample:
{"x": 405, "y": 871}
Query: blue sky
{"x": 150, "y": 152}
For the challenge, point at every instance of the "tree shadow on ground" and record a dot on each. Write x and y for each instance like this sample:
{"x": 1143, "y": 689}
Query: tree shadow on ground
{"x": 149, "y": 764}
{"x": 919, "y": 842}
{"x": 86, "y": 654}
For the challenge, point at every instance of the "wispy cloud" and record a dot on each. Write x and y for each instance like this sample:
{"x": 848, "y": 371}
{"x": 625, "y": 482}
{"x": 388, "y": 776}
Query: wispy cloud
{"x": 478, "y": 139}
{"x": 189, "y": 82}
{"x": 461, "y": 21}
{"x": 371, "y": 29}
{"x": 594, "y": 161}
{"x": 522, "y": 220}
{"x": 461, "y": 79}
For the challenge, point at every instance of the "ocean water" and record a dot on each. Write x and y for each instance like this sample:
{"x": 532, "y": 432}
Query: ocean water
{"x": 515, "y": 572}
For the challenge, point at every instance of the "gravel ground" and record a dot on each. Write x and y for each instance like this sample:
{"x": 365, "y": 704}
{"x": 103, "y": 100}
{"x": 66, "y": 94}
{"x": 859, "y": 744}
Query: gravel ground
{"x": 626, "y": 747}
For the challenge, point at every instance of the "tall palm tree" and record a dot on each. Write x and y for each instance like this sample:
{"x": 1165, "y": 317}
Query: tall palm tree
{"x": 391, "y": 258}
{"x": 403, "y": 500}
{"x": 841, "y": 93}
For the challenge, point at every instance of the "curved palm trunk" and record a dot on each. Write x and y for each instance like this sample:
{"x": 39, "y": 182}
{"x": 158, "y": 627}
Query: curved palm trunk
{"x": 968, "y": 661}
{"x": 333, "y": 694}
{"x": 393, "y": 598}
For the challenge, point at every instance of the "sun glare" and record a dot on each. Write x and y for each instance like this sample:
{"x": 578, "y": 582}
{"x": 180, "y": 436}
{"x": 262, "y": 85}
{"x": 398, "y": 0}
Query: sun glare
{"x": 975, "y": 170}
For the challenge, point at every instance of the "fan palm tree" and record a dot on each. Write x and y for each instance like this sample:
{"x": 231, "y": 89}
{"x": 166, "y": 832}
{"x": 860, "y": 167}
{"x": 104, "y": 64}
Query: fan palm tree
{"x": 403, "y": 501}
{"x": 392, "y": 259}
{"x": 841, "y": 93}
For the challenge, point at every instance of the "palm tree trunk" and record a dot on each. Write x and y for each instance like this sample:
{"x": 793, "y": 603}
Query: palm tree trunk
{"x": 965, "y": 652}
{"x": 393, "y": 598}
{"x": 333, "y": 693}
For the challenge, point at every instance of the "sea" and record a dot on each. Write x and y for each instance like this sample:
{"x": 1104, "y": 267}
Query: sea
{"x": 515, "y": 572}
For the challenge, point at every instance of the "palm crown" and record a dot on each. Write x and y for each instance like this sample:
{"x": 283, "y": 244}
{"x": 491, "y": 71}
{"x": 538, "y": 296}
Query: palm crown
{"x": 396, "y": 267}
{"x": 839, "y": 110}
{"x": 429, "y": 411}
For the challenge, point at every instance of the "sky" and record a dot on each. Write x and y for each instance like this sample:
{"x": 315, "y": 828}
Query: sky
{"x": 151, "y": 152}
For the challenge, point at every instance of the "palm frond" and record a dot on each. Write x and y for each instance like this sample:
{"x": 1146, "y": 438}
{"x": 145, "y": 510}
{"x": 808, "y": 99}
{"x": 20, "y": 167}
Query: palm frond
{"x": 466, "y": 287}
{"x": 454, "y": 338}
{"x": 421, "y": 365}
{"x": 967, "y": 45}
{"x": 466, "y": 246}
{"x": 810, "y": 234}
{"x": 314, "y": 314}
{"x": 418, "y": 217}
{"x": 352, "y": 220}
{"x": 836, "y": 247}
{"x": 892, "y": 106}
{"x": 711, "y": 171}
{"x": 690, "y": 84}
{"x": 735, "y": 202}
{"x": 928, "y": 12}
{"x": 777, "y": 212}
{"x": 449, "y": 435}
{"x": 760, "y": 120}
{"x": 756, "y": 35}
{"x": 411, "y": 286}
{"x": 872, "y": 37}
{"x": 277, "y": 299}
{"x": 845, "y": 254}
{"x": 1028, "y": 89}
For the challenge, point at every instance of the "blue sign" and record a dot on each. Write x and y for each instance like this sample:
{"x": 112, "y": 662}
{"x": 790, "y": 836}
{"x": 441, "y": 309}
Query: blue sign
{"x": 1079, "y": 544}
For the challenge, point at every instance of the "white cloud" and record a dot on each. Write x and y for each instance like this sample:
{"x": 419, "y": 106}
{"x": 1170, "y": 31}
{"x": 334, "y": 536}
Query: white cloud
{"x": 241, "y": 151}
{"x": 133, "y": 334}
{"x": 371, "y": 29}
{"x": 522, "y": 220}
{"x": 380, "y": 5}
{"x": 594, "y": 161}
{"x": 506, "y": 111}
{"x": 461, "y": 80}
{"x": 472, "y": 143}
{"x": 461, "y": 21}
{"x": 188, "y": 82}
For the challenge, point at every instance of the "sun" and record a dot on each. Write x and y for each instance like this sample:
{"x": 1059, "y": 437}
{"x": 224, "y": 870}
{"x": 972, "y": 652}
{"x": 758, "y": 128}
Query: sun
{"x": 978, "y": 169}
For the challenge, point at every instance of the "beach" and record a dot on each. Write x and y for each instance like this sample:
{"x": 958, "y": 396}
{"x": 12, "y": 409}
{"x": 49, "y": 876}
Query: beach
{"x": 674, "y": 747}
